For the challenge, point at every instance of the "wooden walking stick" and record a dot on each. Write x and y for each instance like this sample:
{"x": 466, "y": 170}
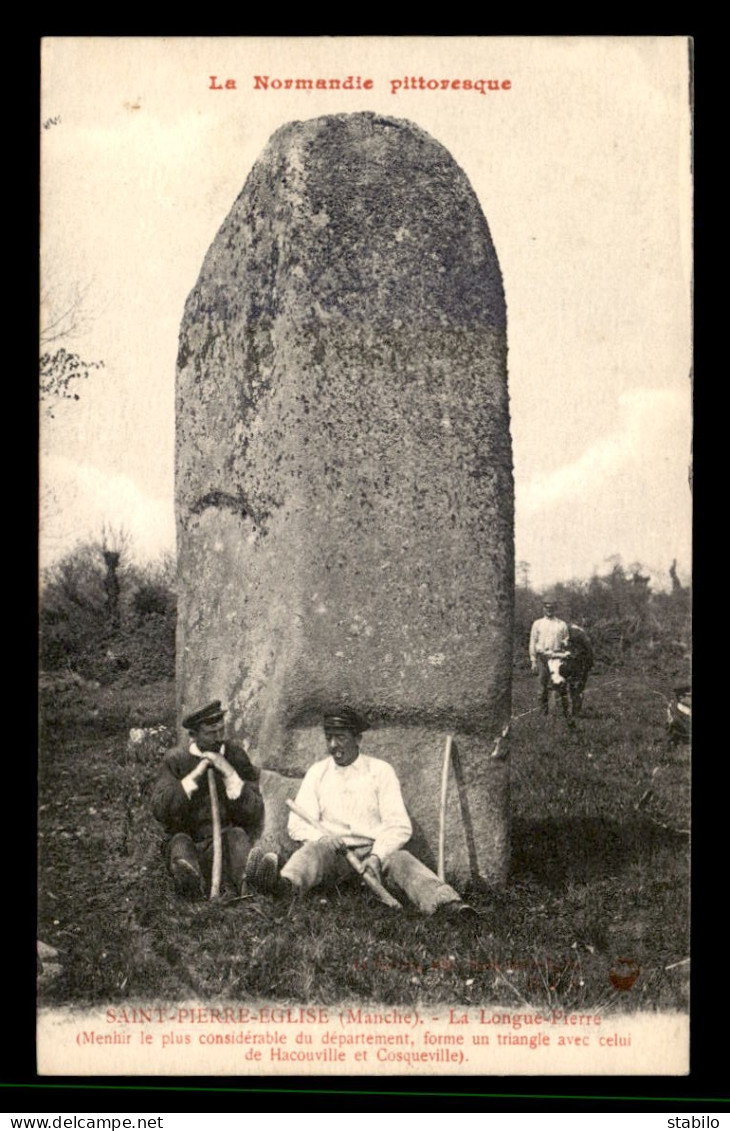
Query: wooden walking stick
{"x": 217, "y": 871}
{"x": 382, "y": 893}
{"x": 442, "y": 809}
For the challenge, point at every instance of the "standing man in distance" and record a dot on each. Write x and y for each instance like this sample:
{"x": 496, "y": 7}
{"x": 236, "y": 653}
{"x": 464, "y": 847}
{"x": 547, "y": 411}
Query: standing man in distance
{"x": 181, "y": 803}
{"x": 548, "y": 636}
{"x": 358, "y": 799}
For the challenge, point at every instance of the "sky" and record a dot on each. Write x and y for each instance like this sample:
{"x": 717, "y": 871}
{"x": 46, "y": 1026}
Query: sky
{"x": 581, "y": 166}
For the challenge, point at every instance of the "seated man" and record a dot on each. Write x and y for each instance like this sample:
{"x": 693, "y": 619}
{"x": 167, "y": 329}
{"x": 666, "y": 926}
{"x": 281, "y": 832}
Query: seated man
{"x": 358, "y": 800}
{"x": 181, "y": 802}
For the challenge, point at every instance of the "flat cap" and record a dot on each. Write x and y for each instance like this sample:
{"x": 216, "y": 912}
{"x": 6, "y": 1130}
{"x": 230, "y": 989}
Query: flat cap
{"x": 344, "y": 718}
{"x": 211, "y": 713}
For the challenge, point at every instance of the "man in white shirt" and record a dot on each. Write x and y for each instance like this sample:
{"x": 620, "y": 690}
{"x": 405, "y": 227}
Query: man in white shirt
{"x": 548, "y": 637}
{"x": 358, "y": 801}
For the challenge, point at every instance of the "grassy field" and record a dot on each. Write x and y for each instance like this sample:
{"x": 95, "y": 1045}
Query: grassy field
{"x": 595, "y": 914}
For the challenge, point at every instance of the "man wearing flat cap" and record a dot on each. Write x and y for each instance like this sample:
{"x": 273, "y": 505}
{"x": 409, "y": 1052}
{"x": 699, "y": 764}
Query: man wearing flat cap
{"x": 356, "y": 800}
{"x": 181, "y": 802}
{"x": 548, "y": 638}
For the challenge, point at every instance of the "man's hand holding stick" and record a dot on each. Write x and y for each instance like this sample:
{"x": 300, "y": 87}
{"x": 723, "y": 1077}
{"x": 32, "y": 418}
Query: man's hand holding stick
{"x": 361, "y": 868}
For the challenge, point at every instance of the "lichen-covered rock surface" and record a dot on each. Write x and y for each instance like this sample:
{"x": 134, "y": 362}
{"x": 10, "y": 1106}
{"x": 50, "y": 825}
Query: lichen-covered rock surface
{"x": 344, "y": 472}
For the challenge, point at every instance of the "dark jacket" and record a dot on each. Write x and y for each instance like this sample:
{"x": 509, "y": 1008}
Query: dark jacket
{"x": 178, "y": 813}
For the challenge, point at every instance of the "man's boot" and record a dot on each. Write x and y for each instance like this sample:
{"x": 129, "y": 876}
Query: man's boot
{"x": 262, "y": 871}
{"x": 188, "y": 879}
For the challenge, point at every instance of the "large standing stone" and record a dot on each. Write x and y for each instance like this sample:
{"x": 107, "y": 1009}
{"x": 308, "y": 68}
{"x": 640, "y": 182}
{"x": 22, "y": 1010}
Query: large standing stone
{"x": 344, "y": 472}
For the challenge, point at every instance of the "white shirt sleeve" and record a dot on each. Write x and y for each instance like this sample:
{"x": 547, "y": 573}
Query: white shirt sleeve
{"x": 395, "y": 827}
{"x": 234, "y": 786}
{"x": 533, "y": 641}
{"x": 308, "y": 800}
{"x": 189, "y": 783}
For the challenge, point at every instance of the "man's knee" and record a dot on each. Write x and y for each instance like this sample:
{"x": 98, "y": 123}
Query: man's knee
{"x": 398, "y": 860}
{"x": 315, "y": 864}
{"x": 414, "y": 880}
{"x": 308, "y": 866}
{"x": 402, "y": 866}
{"x": 182, "y": 847}
{"x": 237, "y": 846}
{"x": 237, "y": 842}
{"x": 184, "y": 866}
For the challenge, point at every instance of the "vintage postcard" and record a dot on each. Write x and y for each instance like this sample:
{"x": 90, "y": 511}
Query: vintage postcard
{"x": 365, "y": 556}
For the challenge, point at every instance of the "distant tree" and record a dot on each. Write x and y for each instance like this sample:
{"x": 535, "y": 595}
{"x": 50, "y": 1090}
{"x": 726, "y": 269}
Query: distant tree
{"x": 151, "y": 599}
{"x": 114, "y": 549}
{"x": 625, "y": 619}
{"x": 522, "y": 571}
{"x": 73, "y": 614}
{"x": 155, "y": 586}
{"x": 64, "y": 317}
{"x": 527, "y": 607}
{"x": 672, "y": 619}
{"x": 105, "y": 617}
{"x": 150, "y": 631}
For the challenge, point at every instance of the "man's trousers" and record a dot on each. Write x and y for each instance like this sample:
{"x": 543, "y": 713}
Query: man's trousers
{"x": 198, "y": 856}
{"x": 316, "y": 862}
{"x": 544, "y": 684}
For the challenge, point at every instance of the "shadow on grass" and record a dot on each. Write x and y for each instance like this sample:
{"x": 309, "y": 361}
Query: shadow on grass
{"x": 581, "y": 849}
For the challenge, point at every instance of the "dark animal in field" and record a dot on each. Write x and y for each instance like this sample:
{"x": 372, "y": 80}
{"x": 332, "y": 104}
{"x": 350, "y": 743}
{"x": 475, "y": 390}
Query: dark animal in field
{"x": 569, "y": 670}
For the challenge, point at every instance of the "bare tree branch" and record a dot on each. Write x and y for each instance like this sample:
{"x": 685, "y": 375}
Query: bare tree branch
{"x": 64, "y": 312}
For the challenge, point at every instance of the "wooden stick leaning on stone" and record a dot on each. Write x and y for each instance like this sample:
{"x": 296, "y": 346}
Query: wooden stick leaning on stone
{"x": 442, "y": 808}
{"x": 217, "y": 870}
{"x": 375, "y": 886}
